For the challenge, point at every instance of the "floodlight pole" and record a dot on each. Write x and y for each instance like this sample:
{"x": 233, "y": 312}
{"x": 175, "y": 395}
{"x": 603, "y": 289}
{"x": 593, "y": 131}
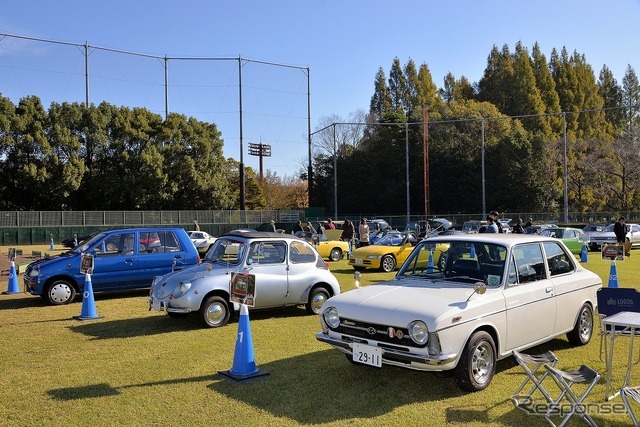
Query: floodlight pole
{"x": 564, "y": 158}
{"x": 484, "y": 192}
{"x": 406, "y": 145}
{"x": 241, "y": 165}
{"x": 166, "y": 87}
{"x": 335, "y": 175}
{"x": 310, "y": 168}
{"x": 86, "y": 74}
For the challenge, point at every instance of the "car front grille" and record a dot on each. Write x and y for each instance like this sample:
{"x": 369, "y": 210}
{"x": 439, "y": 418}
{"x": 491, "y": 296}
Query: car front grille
{"x": 377, "y": 332}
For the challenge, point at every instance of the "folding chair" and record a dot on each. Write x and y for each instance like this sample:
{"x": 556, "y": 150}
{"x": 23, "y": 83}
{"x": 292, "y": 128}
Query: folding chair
{"x": 565, "y": 380}
{"x": 537, "y": 361}
{"x": 612, "y": 301}
{"x": 634, "y": 394}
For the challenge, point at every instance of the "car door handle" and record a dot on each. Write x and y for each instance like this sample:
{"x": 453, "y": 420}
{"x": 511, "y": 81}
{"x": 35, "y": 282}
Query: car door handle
{"x": 549, "y": 289}
{"x": 178, "y": 256}
{"x": 128, "y": 260}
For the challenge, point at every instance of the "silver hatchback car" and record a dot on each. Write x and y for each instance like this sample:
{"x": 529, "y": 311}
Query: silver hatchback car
{"x": 288, "y": 271}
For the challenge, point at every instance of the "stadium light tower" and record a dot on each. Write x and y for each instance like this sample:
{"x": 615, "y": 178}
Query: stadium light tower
{"x": 261, "y": 150}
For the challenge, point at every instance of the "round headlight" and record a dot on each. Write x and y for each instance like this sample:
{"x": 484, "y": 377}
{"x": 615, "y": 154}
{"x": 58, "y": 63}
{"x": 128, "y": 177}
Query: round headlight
{"x": 184, "y": 287}
{"x": 418, "y": 332}
{"x": 156, "y": 279}
{"x": 331, "y": 317}
{"x": 34, "y": 273}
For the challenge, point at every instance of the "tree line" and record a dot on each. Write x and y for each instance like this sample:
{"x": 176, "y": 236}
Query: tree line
{"x": 102, "y": 157}
{"x": 523, "y": 104}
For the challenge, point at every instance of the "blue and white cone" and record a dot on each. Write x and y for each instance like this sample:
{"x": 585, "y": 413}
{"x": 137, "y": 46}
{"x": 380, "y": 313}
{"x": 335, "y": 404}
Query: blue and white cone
{"x": 472, "y": 252}
{"x": 430, "y": 263}
{"x": 88, "y": 303}
{"x": 244, "y": 364}
{"x": 12, "y": 286}
{"x": 613, "y": 275}
{"x": 583, "y": 255}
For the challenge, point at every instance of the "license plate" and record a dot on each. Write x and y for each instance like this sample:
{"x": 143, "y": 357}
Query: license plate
{"x": 156, "y": 305}
{"x": 358, "y": 260}
{"x": 367, "y": 355}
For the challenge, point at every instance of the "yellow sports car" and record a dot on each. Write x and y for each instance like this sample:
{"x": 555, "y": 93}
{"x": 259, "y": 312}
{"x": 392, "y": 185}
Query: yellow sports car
{"x": 387, "y": 254}
{"x": 334, "y": 250}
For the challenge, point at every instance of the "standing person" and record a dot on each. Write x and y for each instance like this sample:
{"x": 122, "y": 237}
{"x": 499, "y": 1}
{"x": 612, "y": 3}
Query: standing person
{"x": 518, "y": 229}
{"x": 620, "y": 230}
{"x": 196, "y": 226}
{"x": 330, "y": 225}
{"x": 529, "y": 223}
{"x": 297, "y": 227}
{"x": 320, "y": 228}
{"x": 495, "y": 215}
{"x": 364, "y": 232}
{"x": 491, "y": 225}
{"x": 273, "y": 225}
{"x": 347, "y": 233}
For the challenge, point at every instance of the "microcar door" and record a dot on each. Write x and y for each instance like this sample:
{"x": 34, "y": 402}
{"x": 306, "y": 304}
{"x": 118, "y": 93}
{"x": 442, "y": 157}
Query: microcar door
{"x": 267, "y": 262}
{"x": 301, "y": 270}
{"x": 529, "y": 297}
{"x": 114, "y": 261}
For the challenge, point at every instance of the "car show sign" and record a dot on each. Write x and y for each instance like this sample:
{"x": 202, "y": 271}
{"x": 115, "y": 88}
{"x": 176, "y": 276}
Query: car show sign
{"x": 86, "y": 266}
{"x": 243, "y": 288}
{"x": 613, "y": 252}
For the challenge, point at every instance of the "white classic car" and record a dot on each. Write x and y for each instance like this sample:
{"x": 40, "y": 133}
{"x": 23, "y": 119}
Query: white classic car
{"x": 201, "y": 240}
{"x": 286, "y": 270}
{"x": 608, "y": 237}
{"x": 462, "y": 302}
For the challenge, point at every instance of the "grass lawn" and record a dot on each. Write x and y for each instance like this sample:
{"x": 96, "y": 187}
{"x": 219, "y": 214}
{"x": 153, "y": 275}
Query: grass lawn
{"x": 136, "y": 367}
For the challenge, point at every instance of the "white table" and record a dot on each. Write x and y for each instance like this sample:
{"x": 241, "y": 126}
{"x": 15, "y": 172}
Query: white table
{"x": 625, "y": 323}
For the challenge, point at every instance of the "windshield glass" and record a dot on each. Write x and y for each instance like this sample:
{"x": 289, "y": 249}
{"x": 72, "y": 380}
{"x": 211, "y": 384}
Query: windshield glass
{"x": 592, "y": 228}
{"x": 457, "y": 260}
{"x": 390, "y": 239}
{"x": 610, "y": 227}
{"x": 553, "y": 232}
{"x": 227, "y": 251}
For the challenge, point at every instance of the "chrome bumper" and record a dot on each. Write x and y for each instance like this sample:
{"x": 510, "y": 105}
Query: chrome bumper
{"x": 392, "y": 356}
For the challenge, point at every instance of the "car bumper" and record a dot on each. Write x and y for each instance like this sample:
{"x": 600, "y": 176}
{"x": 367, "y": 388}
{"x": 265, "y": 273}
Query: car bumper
{"x": 397, "y": 357}
{"x": 365, "y": 262}
{"x": 162, "y": 305}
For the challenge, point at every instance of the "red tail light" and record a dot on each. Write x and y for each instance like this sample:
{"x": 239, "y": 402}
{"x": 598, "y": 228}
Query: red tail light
{"x": 326, "y": 264}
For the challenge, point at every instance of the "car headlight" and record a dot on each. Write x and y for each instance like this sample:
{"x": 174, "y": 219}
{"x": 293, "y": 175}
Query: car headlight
{"x": 418, "y": 332}
{"x": 34, "y": 273}
{"x": 184, "y": 287}
{"x": 156, "y": 279}
{"x": 331, "y": 317}
{"x": 374, "y": 256}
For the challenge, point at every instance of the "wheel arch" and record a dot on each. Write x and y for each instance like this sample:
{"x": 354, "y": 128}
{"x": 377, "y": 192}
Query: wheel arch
{"x": 72, "y": 281}
{"x": 217, "y": 293}
{"x": 493, "y": 332}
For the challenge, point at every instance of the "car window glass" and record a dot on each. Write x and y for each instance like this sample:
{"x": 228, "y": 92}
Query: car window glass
{"x": 115, "y": 244}
{"x": 635, "y": 228}
{"x": 227, "y": 251}
{"x": 301, "y": 253}
{"x": 558, "y": 261}
{"x": 261, "y": 253}
{"x": 529, "y": 263}
{"x": 153, "y": 242}
{"x": 513, "y": 272}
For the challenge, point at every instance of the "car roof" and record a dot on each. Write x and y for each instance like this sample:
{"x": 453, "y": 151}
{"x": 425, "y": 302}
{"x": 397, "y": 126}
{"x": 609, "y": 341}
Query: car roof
{"x": 506, "y": 239}
{"x": 260, "y": 235}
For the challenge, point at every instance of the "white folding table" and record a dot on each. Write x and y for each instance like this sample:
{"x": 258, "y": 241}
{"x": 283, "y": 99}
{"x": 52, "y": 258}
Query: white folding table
{"x": 625, "y": 323}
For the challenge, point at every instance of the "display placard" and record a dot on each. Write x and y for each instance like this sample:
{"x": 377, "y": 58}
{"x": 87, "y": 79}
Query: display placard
{"x": 243, "y": 288}
{"x": 86, "y": 266}
{"x": 613, "y": 252}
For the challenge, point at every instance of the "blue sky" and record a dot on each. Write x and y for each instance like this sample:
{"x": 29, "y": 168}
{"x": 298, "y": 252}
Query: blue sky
{"x": 342, "y": 42}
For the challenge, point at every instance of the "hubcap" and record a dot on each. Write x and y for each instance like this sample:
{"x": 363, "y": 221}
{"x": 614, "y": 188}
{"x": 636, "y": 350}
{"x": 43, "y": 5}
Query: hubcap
{"x": 335, "y": 255}
{"x": 482, "y": 363}
{"x": 317, "y": 302}
{"x": 586, "y": 325}
{"x": 60, "y": 293}
{"x": 388, "y": 264}
{"x": 215, "y": 313}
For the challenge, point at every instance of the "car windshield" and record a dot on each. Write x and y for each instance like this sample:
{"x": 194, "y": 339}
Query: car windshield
{"x": 390, "y": 239}
{"x": 456, "y": 261}
{"x": 592, "y": 228}
{"x": 227, "y": 251}
{"x": 553, "y": 232}
{"x": 83, "y": 247}
{"x": 196, "y": 235}
{"x": 609, "y": 228}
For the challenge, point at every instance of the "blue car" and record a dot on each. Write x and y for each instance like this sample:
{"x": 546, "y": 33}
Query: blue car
{"x": 123, "y": 259}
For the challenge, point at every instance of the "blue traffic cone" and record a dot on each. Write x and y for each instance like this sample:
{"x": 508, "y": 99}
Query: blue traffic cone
{"x": 583, "y": 254}
{"x": 430, "y": 263}
{"x": 88, "y": 304}
{"x": 13, "y": 287}
{"x": 472, "y": 253}
{"x": 244, "y": 365}
{"x": 613, "y": 275}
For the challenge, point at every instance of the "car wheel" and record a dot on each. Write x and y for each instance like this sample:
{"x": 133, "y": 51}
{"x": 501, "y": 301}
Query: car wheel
{"x": 477, "y": 365}
{"x": 317, "y": 297}
{"x": 335, "y": 254}
{"x": 583, "y": 329}
{"x": 61, "y": 292}
{"x": 442, "y": 261}
{"x": 388, "y": 263}
{"x": 214, "y": 312}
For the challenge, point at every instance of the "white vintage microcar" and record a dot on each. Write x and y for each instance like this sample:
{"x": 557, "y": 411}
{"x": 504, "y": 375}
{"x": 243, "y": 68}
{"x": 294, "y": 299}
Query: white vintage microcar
{"x": 462, "y": 302}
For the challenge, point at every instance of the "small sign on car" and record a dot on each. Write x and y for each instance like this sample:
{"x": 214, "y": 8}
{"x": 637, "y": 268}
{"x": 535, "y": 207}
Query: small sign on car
{"x": 243, "y": 289}
{"x": 613, "y": 252}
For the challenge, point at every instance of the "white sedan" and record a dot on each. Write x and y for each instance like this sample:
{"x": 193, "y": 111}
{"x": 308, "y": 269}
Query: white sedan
{"x": 201, "y": 240}
{"x": 488, "y": 296}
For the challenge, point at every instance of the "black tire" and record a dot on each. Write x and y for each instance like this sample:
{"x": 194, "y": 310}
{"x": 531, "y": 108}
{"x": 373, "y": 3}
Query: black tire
{"x": 442, "y": 261}
{"x": 317, "y": 297}
{"x": 477, "y": 364}
{"x": 388, "y": 263}
{"x": 583, "y": 329}
{"x": 335, "y": 254}
{"x": 214, "y": 312}
{"x": 60, "y": 292}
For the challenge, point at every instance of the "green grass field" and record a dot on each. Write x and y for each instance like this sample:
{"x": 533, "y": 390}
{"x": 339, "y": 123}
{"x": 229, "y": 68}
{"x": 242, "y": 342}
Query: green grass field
{"x": 142, "y": 368}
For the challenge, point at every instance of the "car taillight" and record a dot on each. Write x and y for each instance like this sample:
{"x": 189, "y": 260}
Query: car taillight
{"x": 326, "y": 264}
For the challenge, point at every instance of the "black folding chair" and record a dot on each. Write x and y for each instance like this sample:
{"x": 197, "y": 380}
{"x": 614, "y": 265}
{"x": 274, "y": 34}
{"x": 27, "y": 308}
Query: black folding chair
{"x": 565, "y": 380}
{"x": 632, "y": 393}
{"x": 537, "y": 361}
